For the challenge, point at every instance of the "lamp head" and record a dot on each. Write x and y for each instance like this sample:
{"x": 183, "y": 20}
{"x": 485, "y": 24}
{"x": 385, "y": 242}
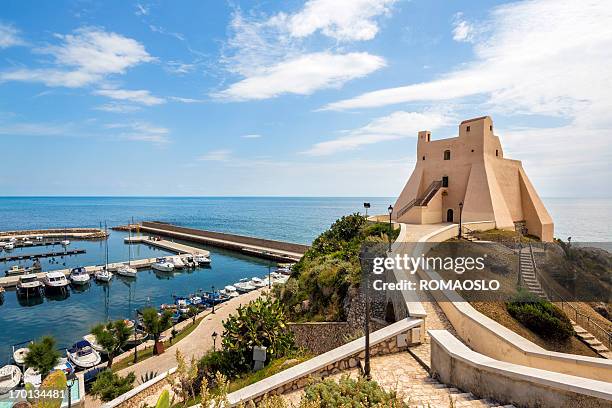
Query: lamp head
{"x": 461, "y": 204}
{"x": 390, "y": 209}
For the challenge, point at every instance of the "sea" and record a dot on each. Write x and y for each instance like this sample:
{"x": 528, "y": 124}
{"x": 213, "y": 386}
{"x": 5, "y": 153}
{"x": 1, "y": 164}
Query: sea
{"x": 293, "y": 219}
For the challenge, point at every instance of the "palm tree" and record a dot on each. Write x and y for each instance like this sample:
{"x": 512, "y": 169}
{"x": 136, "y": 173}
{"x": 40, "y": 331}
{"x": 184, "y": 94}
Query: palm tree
{"x": 43, "y": 355}
{"x": 112, "y": 336}
{"x": 155, "y": 324}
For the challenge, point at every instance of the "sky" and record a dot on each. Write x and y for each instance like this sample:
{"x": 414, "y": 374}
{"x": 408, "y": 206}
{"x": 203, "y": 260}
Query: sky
{"x": 295, "y": 98}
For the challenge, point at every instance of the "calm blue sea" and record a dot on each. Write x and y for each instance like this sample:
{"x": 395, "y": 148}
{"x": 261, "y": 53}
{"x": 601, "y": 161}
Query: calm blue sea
{"x": 291, "y": 219}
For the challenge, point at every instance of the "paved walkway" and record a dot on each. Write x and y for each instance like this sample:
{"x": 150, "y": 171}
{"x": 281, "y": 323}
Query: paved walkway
{"x": 401, "y": 373}
{"x": 196, "y": 344}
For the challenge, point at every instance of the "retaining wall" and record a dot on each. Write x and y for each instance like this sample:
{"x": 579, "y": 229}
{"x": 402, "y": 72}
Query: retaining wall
{"x": 455, "y": 364}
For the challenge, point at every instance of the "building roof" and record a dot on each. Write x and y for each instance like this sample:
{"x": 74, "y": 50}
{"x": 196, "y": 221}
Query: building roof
{"x": 475, "y": 119}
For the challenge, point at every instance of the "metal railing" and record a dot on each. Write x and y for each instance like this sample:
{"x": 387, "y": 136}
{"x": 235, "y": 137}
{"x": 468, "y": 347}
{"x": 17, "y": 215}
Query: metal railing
{"x": 423, "y": 200}
{"x": 588, "y": 323}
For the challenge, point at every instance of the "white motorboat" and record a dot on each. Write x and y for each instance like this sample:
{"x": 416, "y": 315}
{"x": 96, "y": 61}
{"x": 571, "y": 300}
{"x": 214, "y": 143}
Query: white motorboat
{"x": 258, "y": 282}
{"x": 15, "y": 270}
{"x": 65, "y": 242}
{"x": 28, "y": 243}
{"x": 103, "y": 275}
{"x": 53, "y": 280}
{"x": 2, "y": 244}
{"x": 91, "y": 338}
{"x": 79, "y": 276}
{"x": 82, "y": 355}
{"x": 244, "y": 286}
{"x": 161, "y": 264}
{"x": 32, "y": 376}
{"x": 201, "y": 259}
{"x": 230, "y": 291}
{"x": 39, "y": 238}
{"x": 64, "y": 365}
{"x": 20, "y": 355}
{"x": 8, "y": 246}
{"x": 10, "y": 377}
{"x": 29, "y": 284}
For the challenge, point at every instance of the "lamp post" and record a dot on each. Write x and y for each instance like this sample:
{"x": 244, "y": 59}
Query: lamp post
{"x": 214, "y": 337}
{"x": 390, "y": 209}
{"x": 460, "y": 220}
{"x": 213, "y": 298}
{"x": 72, "y": 379}
{"x": 366, "y": 206}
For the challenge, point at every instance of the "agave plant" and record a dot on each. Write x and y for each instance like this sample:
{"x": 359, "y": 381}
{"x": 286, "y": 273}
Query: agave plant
{"x": 148, "y": 376}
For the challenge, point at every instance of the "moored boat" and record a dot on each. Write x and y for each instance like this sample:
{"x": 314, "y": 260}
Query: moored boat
{"x": 15, "y": 270}
{"x": 258, "y": 282}
{"x": 161, "y": 264}
{"x": 55, "y": 280}
{"x": 20, "y": 354}
{"x": 79, "y": 276}
{"x": 229, "y": 291}
{"x": 8, "y": 246}
{"x": 201, "y": 259}
{"x": 32, "y": 376}
{"x": 82, "y": 355}
{"x": 29, "y": 285}
{"x": 65, "y": 242}
{"x": 103, "y": 275}
{"x": 10, "y": 377}
{"x": 178, "y": 262}
{"x": 91, "y": 338}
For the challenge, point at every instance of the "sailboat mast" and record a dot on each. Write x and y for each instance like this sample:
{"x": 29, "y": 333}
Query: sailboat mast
{"x": 106, "y": 233}
{"x": 130, "y": 243}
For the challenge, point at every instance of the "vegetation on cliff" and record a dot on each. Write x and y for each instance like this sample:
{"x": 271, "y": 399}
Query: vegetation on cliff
{"x": 321, "y": 281}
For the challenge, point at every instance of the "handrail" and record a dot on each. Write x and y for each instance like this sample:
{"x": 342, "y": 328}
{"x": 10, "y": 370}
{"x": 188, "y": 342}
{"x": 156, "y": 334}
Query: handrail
{"x": 423, "y": 200}
{"x": 548, "y": 289}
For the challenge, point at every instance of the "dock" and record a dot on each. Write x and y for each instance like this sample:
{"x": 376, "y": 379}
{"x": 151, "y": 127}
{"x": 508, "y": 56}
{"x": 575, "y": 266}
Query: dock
{"x": 258, "y": 247}
{"x": 11, "y": 281}
{"x": 25, "y": 257}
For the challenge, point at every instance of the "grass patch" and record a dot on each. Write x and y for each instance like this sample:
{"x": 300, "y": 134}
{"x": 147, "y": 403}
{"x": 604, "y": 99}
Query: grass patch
{"x": 148, "y": 352}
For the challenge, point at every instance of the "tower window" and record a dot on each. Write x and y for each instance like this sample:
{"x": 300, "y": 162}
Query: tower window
{"x": 423, "y": 157}
{"x": 447, "y": 155}
{"x": 496, "y": 153}
{"x": 445, "y": 181}
{"x": 467, "y": 129}
{"x": 491, "y": 128}
{"x": 472, "y": 150}
{"x": 428, "y": 137}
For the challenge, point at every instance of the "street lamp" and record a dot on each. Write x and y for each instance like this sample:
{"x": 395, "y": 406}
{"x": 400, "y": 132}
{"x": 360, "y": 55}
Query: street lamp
{"x": 460, "y": 215}
{"x": 390, "y": 209}
{"x": 366, "y": 206}
{"x": 214, "y": 337}
{"x": 213, "y": 298}
{"x": 71, "y": 380}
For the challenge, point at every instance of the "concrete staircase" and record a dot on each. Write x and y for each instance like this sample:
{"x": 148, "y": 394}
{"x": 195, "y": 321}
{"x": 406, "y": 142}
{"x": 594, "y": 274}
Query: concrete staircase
{"x": 528, "y": 273}
{"x": 587, "y": 338}
{"x": 460, "y": 398}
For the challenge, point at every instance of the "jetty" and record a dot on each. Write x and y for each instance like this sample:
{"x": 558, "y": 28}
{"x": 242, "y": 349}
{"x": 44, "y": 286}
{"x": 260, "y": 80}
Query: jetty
{"x": 165, "y": 244}
{"x": 259, "y": 247}
{"x": 55, "y": 233}
{"x": 25, "y": 257}
{"x": 11, "y": 281}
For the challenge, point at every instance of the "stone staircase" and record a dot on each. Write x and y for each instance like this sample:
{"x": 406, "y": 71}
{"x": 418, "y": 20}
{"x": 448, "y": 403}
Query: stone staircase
{"x": 587, "y": 338}
{"x": 528, "y": 273}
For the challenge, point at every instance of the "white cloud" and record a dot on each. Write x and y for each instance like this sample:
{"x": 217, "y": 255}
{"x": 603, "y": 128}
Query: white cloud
{"x": 141, "y": 10}
{"x": 251, "y": 136}
{"x": 141, "y": 132}
{"x": 140, "y": 96}
{"x": 216, "y": 155}
{"x": 303, "y": 75}
{"x": 118, "y": 107}
{"x": 544, "y": 57}
{"x": 185, "y": 100}
{"x": 342, "y": 20}
{"x": 9, "y": 36}
{"x": 34, "y": 129}
{"x": 84, "y": 57}
{"x": 180, "y": 68}
{"x": 463, "y": 31}
{"x": 397, "y": 125}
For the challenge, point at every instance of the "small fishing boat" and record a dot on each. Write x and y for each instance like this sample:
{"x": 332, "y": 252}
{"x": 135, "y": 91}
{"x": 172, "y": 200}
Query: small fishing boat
{"x": 161, "y": 264}
{"x": 10, "y": 377}
{"x": 55, "y": 280}
{"x": 20, "y": 354}
{"x": 29, "y": 285}
{"x": 201, "y": 259}
{"x": 65, "y": 242}
{"x": 82, "y": 355}
{"x": 91, "y": 338}
{"x": 244, "y": 286}
{"x": 16, "y": 270}
{"x": 79, "y": 276}
{"x": 230, "y": 291}
{"x": 103, "y": 275}
{"x": 258, "y": 282}
{"x": 32, "y": 376}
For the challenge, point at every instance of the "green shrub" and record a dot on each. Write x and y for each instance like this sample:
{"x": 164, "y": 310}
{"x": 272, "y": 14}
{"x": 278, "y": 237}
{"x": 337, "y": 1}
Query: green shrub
{"x": 351, "y": 393}
{"x": 109, "y": 385}
{"x": 42, "y": 355}
{"x": 540, "y": 316}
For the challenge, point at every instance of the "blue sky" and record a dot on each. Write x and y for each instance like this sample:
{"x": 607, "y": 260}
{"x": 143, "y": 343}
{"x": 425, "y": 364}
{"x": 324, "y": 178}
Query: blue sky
{"x": 316, "y": 97}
